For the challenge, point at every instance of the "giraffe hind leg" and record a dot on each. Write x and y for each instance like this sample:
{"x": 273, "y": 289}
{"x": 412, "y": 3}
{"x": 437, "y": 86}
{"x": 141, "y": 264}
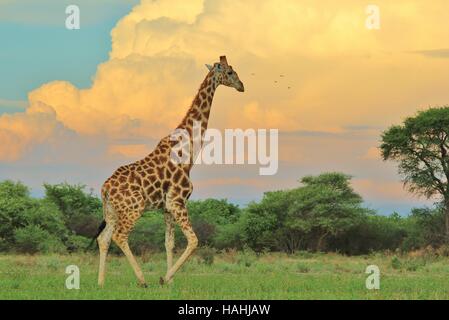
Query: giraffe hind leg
{"x": 104, "y": 240}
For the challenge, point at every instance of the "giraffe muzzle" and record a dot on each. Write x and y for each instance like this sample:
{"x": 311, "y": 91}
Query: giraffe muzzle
{"x": 241, "y": 87}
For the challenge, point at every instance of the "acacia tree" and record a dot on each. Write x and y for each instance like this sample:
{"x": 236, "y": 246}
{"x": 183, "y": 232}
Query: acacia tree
{"x": 326, "y": 205}
{"x": 421, "y": 145}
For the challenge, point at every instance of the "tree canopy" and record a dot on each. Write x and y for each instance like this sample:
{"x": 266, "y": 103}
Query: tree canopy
{"x": 420, "y": 146}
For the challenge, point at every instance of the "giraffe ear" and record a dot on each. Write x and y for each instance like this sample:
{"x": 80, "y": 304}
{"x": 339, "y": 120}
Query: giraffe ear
{"x": 208, "y": 66}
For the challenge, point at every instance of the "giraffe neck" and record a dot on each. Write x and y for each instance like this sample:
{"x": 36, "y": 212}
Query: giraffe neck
{"x": 200, "y": 109}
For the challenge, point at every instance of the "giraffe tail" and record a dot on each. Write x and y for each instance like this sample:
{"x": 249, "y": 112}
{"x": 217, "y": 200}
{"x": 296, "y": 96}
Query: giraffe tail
{"x": 100, "y": 229}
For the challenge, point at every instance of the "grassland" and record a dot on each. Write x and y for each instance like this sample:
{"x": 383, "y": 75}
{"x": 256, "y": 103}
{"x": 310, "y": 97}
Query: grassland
{"x": 233, "y": 275}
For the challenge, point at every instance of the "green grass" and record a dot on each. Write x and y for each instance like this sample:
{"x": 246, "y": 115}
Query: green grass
{"x": 231, "y": 276}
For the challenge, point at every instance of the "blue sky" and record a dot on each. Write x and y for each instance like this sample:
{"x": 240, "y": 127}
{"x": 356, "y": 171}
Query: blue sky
{"x": 40, "y": 49}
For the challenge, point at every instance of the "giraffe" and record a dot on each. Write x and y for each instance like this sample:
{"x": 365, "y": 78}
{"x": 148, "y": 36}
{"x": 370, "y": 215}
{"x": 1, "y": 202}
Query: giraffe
{"x": 157, "y": 182}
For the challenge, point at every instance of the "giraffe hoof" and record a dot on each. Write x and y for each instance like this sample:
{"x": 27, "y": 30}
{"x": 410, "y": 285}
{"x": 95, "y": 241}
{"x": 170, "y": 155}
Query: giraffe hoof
{"x": 161, "y": 281}
{"x": 143, "y": 285}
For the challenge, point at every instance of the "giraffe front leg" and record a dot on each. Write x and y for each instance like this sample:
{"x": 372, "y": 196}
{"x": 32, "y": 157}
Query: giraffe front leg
{"x": 169, "y": 238}
{"x": 180, "y": 214}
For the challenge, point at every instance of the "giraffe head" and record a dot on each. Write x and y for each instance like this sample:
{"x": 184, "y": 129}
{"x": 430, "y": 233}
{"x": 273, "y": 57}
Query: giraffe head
{"x": 225, "y": 75}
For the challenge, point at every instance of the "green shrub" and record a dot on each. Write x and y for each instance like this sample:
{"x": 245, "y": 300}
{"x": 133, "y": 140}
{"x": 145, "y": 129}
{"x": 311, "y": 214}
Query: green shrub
{"x": 396, "y": 263}
{"x": 32, "y": 239}
{"x": 302, "y": 268}
{"x": 206, "y": 255}
{"x": 246, "y": 257}
{"x": 149, "y": 234}
{"x": 76, "y": 243}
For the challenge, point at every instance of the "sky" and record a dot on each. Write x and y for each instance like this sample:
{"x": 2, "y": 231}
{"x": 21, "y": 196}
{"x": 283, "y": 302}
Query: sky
{"x": 76, "y": 104}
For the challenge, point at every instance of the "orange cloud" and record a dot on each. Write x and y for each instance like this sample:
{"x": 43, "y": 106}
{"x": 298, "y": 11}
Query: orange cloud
{"x": 372, "y": 153}
{"x": 20, "y": 131}
{"x": 130, "y": 150}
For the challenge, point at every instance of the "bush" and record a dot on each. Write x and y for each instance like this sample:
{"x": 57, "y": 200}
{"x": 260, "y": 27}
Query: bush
{"x": 302, "y": 268}
{"x": 246, "y": 257}
{"x": 76, "y": 243}
{"x": 81, "y": 210}
{"x": 206, "y": 255}
{"x": 149, "y": 233}
{"x": 396, "y": 263}
{"x": 229, "y": 236}
{"x": 32, "y": 239}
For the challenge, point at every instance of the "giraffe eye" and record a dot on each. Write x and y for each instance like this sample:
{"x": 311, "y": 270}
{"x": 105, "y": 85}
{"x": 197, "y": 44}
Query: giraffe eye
{"x": 229, "y": 73}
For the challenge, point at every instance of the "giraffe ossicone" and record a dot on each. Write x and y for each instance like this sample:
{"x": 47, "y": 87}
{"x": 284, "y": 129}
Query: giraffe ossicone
{"x": 156, "y": 182}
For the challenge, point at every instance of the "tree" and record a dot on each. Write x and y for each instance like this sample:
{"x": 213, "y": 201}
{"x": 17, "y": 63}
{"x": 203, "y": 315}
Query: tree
{"x": 82, "y": 211}
{"x": 304, "y": 217}
{"x": 264, "y": 220}
{"x": 209, "y": 217}
{"x": 421, "y": 145}
{"x": 18, "y": 210}
{"x": 326, "y": 205}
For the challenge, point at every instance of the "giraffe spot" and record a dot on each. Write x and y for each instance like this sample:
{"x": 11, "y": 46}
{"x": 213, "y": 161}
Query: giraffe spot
{"x": 209, "y": 99}
{"x": 165, "y": 186}
{"x": 171, "y": 166}
{"x": 177, "y": 175}
{"x": 122, "y": 179}
{"x": 185, "y": 193}
{"x": 160, "y": 172}
{"x": 168, "y": 174}
{"x": 113, "y": 191}
{"x": 150, "y": 170}
{"x": 156, "y": 195}
{"x": 185, "y": 182}
{"x": 150, "y": 190}
{"x": 195, "y": 113}
{"x": 176, "y": 189}
{"x": 157, "y": 184}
